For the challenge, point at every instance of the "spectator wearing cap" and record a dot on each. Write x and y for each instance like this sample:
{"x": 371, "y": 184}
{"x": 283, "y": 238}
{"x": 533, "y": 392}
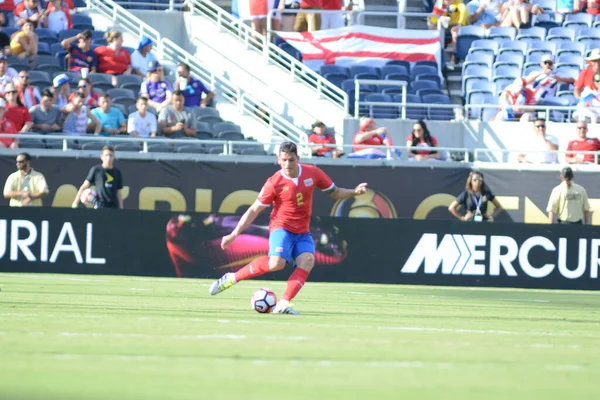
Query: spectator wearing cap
{"x": 24, "y": 43}
{"x": 46, "y": 117}
{"x": 30, "y": 10}
{"x": 142, "y": 57}
{"x": 16, "y": 112}
{"x": 174, "y": 121}
{"x": 59, "y": 16}
{"x": 81, "y": 54}
{"x": 155, "y": 88}
{"x": 60, "y": 87}
{"x": 192, "y": 88}
{"x": 8, "y": 75}
{"x": 582, "y": 143}
{"x": 588, "y": 106}
{"x": 515, "y": 95}
{"x": 29, "y": 95}
{"x": 320, "y": 139}
{"x": 545, "y": 81}
{"x": 6, "y": 126}
{"x": 586, "y": 76}
{"x": 85, "y": 87}
{"x": 370, "y": 135}
{"x": 113, "y": 59}
{"x": 112, "y": 119}
{"x": 76, "y": 116}
{"x": 568, "y": 201}
{"x": 142, "y": 123}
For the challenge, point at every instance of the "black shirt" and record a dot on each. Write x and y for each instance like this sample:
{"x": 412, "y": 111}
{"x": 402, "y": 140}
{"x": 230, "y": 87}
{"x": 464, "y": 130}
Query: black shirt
{"x": 107, "y": 182}
{"x": 469, "y": 201}
{"x": 4, "y": 41}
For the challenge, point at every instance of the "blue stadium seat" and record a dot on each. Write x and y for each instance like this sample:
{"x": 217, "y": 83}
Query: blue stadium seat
{"x": 542, "y": 48}
{"x": 561, "y": 33}
{"x": 557, "y": 116}
{"x": 535, "y": 32}
{"x": 336, "y": 79}
{"x": 416, "y": 85}
{"x": 349, "y": 84}
{"x": 596, "y": 22}
{"x": 483, "y": 59}
{"x": 484, "y": 46}
{"x": 573, "y": 60}
{"x": 438, "y": 114}
{"x": 546, "y": 5}
{"x": 225, "y": 127}
{"x": 393, "y": 90}
{"x": 502, "y": 82}
{"x": 530, "y": 67}
{"x": 67, "y": 33}
{"x": 568, "y": 72}
{"x": 397, "y": 77}
{"x": 474, "y": 87}
{"x": 547, "y": 20}
{"x": 475, "y": 73}
{"x": 480, "y": 98}
{"x": 466, "y": 36}
{"x": 364, "y": 69}
{"x": 423, "y": 69}
{"x": 45, "y": 60}
{"x": 81, "y": 19}
{"x": 579, "y": 19}
{"x": 138, "y": 5}
{"x": 430, "y": 63}
{"x": 510, "y": 46}
{"x": 504, "y": 71}
{"x": 403, "y": 63}
{"x": 364, "y": 110}
{"x": 426, "y": 91}
{"x": 394, "y": 69}
{"x": 291, "y": 50}
{"x": 366, "y": 76}
{"x": 488, "y": 114}
{"x": 46, "y": 35}
{"x": 44, "y": 48}
{"x": 381, "y": 111}
{"x": 333, "y": 69}
{"x": 588, "y": 34}
{"x": 429, "y": 77}
{"x": 509, "y": 59}
{"x": 499, "y": 33}
{"x": 571, "y": 47}
{"x": 414, "y": 113}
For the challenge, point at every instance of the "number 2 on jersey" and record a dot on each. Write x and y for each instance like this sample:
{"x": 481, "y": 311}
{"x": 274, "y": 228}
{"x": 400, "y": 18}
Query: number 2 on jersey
{"x": 299, "y": 199}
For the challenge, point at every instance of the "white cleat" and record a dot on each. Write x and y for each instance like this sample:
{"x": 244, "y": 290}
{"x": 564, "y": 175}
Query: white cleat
{"x": 225, "y": 282}
{"x": 284, "y": 307}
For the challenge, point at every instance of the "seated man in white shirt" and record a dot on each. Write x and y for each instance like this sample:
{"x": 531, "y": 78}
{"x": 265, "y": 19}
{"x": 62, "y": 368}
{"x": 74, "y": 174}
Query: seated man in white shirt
{"x": 142, "y": 123}
{"x": 541, "y": 143}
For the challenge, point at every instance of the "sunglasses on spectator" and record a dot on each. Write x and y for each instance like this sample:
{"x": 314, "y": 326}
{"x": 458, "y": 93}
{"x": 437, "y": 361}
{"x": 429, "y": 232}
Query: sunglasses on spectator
{"x": 477, "y": 179}
{"x": 548, "y": 62}
{"x": 581, "y": 127}
{"x": 540, "y": 126}
{"x": 12, "y": 91}
{"x": 82, "y": 86}
{"x": 24, "y": 77}
{"x": 596, "y": 80}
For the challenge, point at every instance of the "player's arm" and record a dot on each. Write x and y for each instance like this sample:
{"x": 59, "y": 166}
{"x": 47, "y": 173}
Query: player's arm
{"x": 247, "y": 219}
{"x": 86, "y": 184}
{"x": 339, "y": 193}
{"x": 119, "y": 198}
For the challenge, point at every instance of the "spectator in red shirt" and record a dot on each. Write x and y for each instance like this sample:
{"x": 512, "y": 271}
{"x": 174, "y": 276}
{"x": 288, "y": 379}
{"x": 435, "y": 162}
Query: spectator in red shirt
{"x": 319, "y": 138}
{"x": 113, "y": 59}
{"x": 331, "y": 20}
{"x": 6, "y": 126}
{"x": 582, "y": 144}
{"x": 370, "y": 135}
{"x": 32, "y": 11}
{"x": 420, "y": 137}
{"x": 302, "y": 19}
{"x": 6, "y": 9}
{"x": 16, "y": 112}
{"x": 593, "y": 7}
{"x": 586, "y": 76}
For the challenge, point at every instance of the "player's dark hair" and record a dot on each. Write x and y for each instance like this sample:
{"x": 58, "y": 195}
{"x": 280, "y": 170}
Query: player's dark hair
{"x": 26, "y": 156}
{"x": 185, "y": 66}
{"x": 104, "y": 96}
{"x": 469, "y": 185}
{"x": 109, "y": 148}
{"x": 142, "y": 98}
{"x": 288, "y": 147}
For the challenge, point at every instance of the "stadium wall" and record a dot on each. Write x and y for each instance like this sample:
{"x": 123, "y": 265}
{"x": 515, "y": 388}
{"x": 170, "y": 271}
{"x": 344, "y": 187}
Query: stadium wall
{"x": 447, "y": 253}
{"x": 411, "y": 191}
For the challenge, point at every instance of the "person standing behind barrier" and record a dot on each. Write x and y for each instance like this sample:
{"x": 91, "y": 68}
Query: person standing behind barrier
{"x": 25, "y": 187}
{"x": 308, "y": 21}
{"x": 107, "y": 179}
{"x": 568, "y": 201}
{"x": 474, "y": 200}
{"x": 332, "y": 20}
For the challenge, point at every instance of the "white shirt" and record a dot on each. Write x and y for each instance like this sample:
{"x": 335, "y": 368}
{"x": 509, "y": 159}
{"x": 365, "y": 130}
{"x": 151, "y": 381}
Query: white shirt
{"x": 142, "y": 126}
{"x": 140, "y": 62}
{"x": 544, "y": 85}
{"x": 539, "y": 143}
{"x": 57, "y": 21}
{"x": 11, "y": 76}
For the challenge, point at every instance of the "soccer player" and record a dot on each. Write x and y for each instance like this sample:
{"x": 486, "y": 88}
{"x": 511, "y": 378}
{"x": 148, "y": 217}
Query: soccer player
{"x": 290, "y": 190}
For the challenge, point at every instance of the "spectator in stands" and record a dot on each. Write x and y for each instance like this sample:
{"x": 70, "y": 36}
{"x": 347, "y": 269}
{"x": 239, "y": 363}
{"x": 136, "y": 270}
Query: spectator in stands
{"x": 155, "y": 88}
{"x": 545, "y": 81}
{"x": 586, "y": 76}
{"x": 112, "y": 119}
{"x": 421, "y": 137}
{"x": 588, "y": 106}
{"x": 59, "y": 16}
{"x": 192, "y": 88}
{"x": 30, "y": 10}
{"x": 8, "y": 75}
{"x": 25, "y": 187}
{"x": 306, "y": 21}
{"x": 519, "y": 13}
{"x": 24, "y": 43}
{"x": 142, "y": 123}
{"x": 6, "y": 13}
{"x": 568, "y": 201}
{"x": 370, "y": 135}
{"x": 541, "y": 142}
{"x": 46, "y": 117}
{"x": 453, "y": 14}
{"x": 113, "y": 59}
{"x": 142, "y": 57}
{"x": 593, "y": 6}
{"x": 6, "y": 126}
{"x": 334, "y": 21}
{"x": 569, "y": 6}
{"x": 486, "y": 13}
{"x": 29, "y": 95}
{"x": 60, "y": 88}
{"x": 4, "y": 42}
{"x": 76, "y": 116}
{"x": 85, "y": 86}
{"x": 81, "y": 54}
{"x": 319, "y": 138}
{"x": 474, "y": 200}
{"x": 174, "y": 121}
{"x": 16, "y": 112}
{"x": 583, "y": 143}
{"x": 514, "y": 96}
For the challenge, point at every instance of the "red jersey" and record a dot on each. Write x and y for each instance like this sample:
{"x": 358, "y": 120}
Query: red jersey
{"x": 292, "y": 197}
{"x": 310, "y": 4}
{"x": 585, "y": 79}
{"x": 111, "y": 62}
{"x": 331, "y": 4}
{"x": 7, "y": 127}
{"x": 316, "y": 139}
{"x": 18, "y": 115}
{"x": 587, "y": 144}
{"x": 372, "y": 141}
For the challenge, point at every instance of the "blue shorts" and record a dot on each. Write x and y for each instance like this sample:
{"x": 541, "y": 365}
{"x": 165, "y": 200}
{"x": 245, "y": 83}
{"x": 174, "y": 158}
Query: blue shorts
{"x": 290, "y": 245}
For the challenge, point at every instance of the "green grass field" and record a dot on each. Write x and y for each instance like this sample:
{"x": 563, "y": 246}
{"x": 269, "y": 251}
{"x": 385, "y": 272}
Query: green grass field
{"x": 106, "y": 337}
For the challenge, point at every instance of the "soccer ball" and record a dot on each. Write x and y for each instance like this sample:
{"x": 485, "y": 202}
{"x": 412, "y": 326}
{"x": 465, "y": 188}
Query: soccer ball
{"x": 89, "y": 196}
{"x": 263, "y": 300}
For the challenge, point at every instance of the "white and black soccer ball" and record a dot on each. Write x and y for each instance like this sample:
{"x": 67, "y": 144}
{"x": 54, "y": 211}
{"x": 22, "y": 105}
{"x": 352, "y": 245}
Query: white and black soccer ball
{"x": 263, "y": 301}
{"x": 89, "y": 196}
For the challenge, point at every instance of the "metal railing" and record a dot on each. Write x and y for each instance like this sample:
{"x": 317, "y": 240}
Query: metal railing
{"x": 478, "y": 154}
{"x": 173, "y": 4}
{"x": 538, "y": 109}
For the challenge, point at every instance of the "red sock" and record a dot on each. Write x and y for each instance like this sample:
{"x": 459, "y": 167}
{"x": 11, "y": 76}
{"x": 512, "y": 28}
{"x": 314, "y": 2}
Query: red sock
{"x": 257, "y": 267}
{"x": 295, "y": 283}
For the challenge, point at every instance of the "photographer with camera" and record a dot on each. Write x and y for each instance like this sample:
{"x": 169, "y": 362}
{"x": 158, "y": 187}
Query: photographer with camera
{"x": 474, "y": 200}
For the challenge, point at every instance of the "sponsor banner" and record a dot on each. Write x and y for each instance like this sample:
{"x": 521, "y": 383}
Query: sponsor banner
{"x": 401, "y": 192}
{"x": 393, "y": 251}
